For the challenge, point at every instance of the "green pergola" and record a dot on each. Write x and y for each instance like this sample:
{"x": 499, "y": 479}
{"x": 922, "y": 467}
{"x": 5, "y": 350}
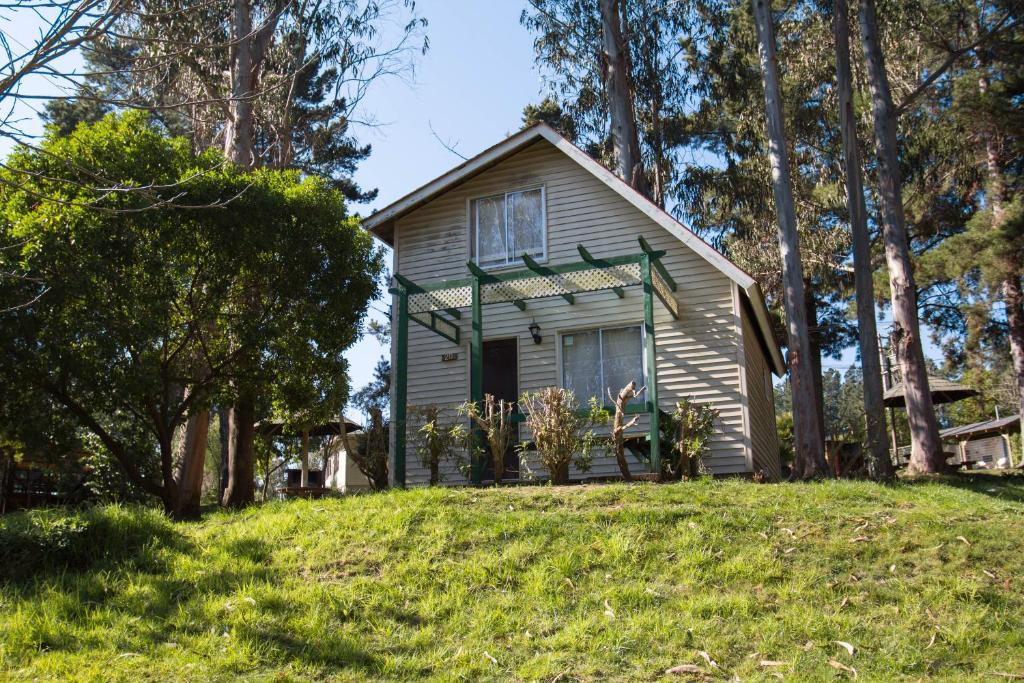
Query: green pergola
{"x": 436, "y": 306}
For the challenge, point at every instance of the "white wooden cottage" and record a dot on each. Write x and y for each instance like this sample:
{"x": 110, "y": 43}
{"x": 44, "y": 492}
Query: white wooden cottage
{"x": 531, "y": 265}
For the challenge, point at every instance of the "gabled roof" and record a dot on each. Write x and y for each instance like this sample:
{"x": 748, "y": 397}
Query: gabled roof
{"x": 1003, "y": 424}
{"x": 382, "y": 223}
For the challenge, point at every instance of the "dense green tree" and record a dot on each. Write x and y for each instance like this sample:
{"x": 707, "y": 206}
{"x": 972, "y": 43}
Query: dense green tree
{"x": 144, "y": 304}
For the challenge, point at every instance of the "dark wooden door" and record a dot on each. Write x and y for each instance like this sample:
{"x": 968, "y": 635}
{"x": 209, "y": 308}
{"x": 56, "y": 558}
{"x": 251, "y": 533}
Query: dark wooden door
{"x": 501, "y": 379}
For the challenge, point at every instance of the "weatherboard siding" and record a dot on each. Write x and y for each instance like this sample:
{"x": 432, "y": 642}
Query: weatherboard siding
{"x": 697, "y": 355}
{"x": 763, "y": 433}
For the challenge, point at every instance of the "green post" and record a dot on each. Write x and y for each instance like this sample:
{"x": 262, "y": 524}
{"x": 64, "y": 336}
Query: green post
{"x": 401, "y": 380}
{"x": 476, "y": 371}
{"x": 650, "y": 353}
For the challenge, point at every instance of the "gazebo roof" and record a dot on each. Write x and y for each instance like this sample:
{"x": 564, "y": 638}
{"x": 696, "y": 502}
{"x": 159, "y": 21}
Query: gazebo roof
{"x": 943, "y": 391}
{"x": 277, "y": 428}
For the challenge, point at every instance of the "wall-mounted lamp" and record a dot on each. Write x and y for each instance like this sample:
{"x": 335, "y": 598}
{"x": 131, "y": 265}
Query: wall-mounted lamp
{"x": 535, "y": 332}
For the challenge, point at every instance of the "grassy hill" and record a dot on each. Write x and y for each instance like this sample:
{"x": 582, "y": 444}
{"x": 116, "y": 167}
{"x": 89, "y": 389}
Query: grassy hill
{"x": 619, "y": 582}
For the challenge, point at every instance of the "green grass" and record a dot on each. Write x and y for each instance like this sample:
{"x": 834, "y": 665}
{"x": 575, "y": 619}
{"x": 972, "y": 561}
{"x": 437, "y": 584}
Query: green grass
{"x": 613, "y": 582}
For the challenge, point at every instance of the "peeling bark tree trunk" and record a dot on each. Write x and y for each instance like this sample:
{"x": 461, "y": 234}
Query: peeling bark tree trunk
{"x": 619, "y": 91}
{"x": 808, "y": 456}
{"x": 238, "y": 133}
{"x": 926, "y": 449}
{"x": 879, "y": 461}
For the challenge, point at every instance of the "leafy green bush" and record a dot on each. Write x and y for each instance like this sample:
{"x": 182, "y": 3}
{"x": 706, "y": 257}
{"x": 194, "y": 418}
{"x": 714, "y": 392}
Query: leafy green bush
{"x": 40, "y": 541}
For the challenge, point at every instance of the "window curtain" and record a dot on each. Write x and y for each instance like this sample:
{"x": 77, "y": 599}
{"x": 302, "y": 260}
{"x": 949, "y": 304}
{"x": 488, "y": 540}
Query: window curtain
{"x": 581, "y": 364}
{"x": 490, "y": 226}
{"x": 526, "y": 224}
{"x": 622, "y": 351}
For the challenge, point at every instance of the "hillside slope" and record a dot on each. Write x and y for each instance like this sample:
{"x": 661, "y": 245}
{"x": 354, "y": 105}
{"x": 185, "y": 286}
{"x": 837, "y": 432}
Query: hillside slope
{"x": 618, "y": 582}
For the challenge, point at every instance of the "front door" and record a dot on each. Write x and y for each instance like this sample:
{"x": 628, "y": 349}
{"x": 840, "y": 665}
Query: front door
{"x": 501, "y": 379}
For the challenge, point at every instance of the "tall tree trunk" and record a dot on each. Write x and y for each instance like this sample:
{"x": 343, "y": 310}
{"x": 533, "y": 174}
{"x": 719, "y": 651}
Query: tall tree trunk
{"x": 879, "y": 461}
{"x": 808, "y": 457}
{"x": 926, "y": 448}
{"x": 814, "y": 340}
{"x": 238, "y": 133}
{"x": 190, "y": 470}
{"x": 247, "y": 54}
{"x": 1013, "y": 297}
{"x": 241, "y": 490}
{"x": 618, "y": 89}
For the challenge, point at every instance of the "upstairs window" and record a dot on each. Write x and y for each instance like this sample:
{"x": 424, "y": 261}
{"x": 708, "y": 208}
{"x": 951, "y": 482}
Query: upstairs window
{"x": 597, "y": 360}
{"x": 508, "y": 225}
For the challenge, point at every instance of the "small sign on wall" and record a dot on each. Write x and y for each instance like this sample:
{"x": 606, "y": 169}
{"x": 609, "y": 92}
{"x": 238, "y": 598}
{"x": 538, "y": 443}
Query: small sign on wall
{"x": 448, "y": 357}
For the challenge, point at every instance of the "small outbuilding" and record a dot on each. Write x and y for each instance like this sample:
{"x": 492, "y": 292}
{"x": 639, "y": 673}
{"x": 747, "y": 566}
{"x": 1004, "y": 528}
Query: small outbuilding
{"x": 984, "y": 444}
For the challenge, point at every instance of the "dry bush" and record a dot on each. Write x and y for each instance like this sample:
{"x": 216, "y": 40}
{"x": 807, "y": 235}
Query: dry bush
{"x": 495, "y": 421}
{"x": 561, "y": 434}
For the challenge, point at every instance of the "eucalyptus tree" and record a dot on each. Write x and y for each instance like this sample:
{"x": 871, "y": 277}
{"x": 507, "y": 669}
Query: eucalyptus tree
{"x": 809, "y": 443}
{"x": 879, "y": 459}
{"x": 613, "y": 71}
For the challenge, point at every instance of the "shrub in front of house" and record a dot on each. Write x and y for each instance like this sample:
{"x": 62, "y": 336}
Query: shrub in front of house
{"x": 435, "y": 440}
{"x": 563, "y": 434}
{"x": 688, "y": 429}
{"x": 494, "y": 419}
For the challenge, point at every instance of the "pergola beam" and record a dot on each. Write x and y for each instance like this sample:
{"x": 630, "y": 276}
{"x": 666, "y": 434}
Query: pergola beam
{"x": 655, "y": 258}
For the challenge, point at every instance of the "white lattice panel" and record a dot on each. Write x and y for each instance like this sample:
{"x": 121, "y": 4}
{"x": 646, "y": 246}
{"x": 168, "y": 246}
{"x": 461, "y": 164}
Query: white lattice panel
{"x": 454, "y": 297}
{"x": 666, "y": 294}
{"x": 590, "y": 280}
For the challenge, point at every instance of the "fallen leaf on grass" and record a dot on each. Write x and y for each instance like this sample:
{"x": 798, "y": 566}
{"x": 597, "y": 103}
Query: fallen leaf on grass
{"x": 839, "y": 665}
{"x": 608, "y": 610}
{"x": 859, "y": 539}
{"x": 787, "y": 551}
{"x": 932, "y": 641}
{"x": 844, "y": 603}
{"x": 488, "y": 655}
{"x": 808, "y": 645}
{"x": 846, "y": 646}
{"x": 571, "y": 584}
{"x": 772, "y": 662}
{"x": 684, "y": 669}
{"x": 707, "y": 658}
{"x": 964, "y": 540}
{"x": 989, "y": 574}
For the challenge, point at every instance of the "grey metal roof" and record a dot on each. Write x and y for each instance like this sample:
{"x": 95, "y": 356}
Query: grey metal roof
{"x": 1000, "y": 425}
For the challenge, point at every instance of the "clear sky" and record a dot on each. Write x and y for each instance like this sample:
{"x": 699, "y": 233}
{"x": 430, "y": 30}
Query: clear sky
{"x": 470, "y": 88}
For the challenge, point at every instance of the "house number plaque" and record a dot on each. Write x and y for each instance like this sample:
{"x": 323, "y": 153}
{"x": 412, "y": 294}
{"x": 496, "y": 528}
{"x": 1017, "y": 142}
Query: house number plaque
{"x": 447, "y": 357}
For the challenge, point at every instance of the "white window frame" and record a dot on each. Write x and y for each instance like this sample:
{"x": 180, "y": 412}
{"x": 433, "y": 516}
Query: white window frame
{"x": 474, "y": 214}
{"x": 641, "y": 381}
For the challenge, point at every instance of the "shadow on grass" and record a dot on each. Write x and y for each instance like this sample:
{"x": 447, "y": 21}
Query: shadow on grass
{"x": 39, "y": 544}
